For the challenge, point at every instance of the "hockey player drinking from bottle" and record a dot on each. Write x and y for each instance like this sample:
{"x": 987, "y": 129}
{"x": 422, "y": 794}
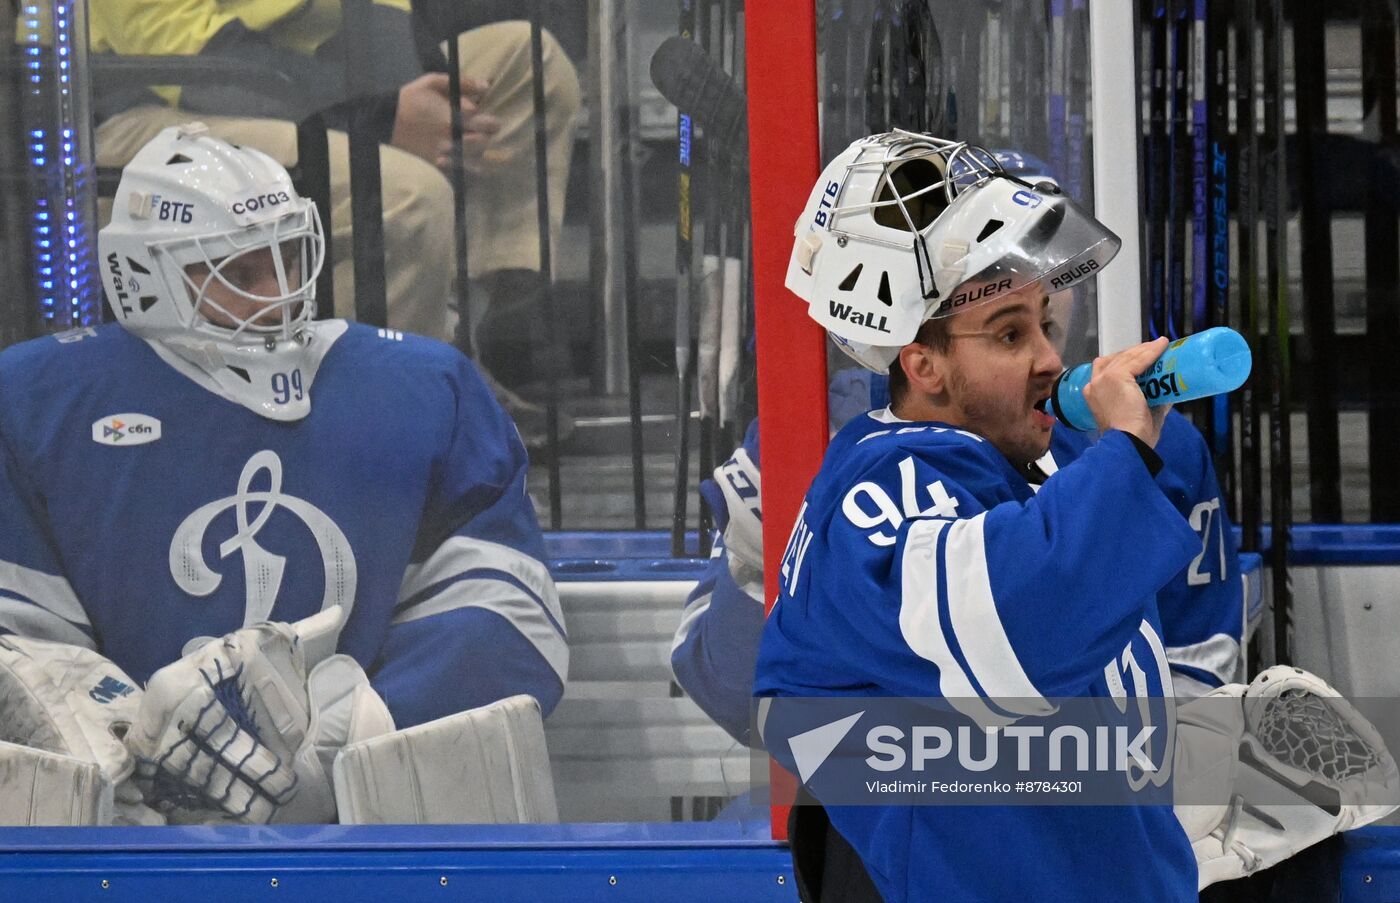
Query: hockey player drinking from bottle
{"x": 1000, "y": 587}
{"x": 221, "y": 464}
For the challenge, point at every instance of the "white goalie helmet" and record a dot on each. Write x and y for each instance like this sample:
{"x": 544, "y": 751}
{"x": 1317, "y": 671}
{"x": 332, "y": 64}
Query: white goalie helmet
{"x": 903, "y": 227}
{"x": 213, "y": 256}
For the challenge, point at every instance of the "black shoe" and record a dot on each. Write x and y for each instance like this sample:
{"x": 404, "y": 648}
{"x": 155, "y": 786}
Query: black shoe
{"x": 510, "y": 340}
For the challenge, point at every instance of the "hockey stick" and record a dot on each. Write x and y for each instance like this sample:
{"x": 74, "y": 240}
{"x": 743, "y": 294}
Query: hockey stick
{"x": 1157, "y": 169}
{"x": 1179, "y": 201}
{"x": 466, "y": 339}
{"x": 1275, "y": 182}
{"x": 989, "y": 115}
{"x": 1019, "y": 62}
{"x": 1055, "y": 107}
{"x": 1247, "y": 147}
{"x": 551, "y": 368}
{"x": 1200, "y": 166}
{"x": 1036, "y": 65}
{"x": 1378, "y": 52}
{"x": 630, "y": 218}
{"x": 706, "y": 188}
{"x": 366, "y": 195}
{"x": 732, "y": 287}
{"x": 878, "y": 61}
{"x": 1076, "y": 148}
{"x": 1324, "y": 451}
{"x": 684, "y": 284}
{"x": 1077, "y": 110}
{"x": 1201, "y": 69}
{"x": 1218, "y": 185}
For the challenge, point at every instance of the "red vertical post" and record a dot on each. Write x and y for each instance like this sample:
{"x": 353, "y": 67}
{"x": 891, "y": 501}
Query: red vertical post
{"x": 784, "y": 161}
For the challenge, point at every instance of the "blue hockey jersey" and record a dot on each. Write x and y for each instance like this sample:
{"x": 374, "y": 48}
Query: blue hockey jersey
{"x": 139, "y": 510}
{"x": 923, "y": 564}
{"x": 1201, "y": 608}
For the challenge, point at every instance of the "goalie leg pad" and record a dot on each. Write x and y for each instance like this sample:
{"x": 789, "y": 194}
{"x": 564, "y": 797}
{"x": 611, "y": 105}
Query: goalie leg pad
{"x": 38, "y": 787}
{"x": 488, "y": 765}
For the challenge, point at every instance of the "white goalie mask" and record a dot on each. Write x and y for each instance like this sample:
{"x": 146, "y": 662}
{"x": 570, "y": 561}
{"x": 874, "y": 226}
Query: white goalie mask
{"x": 213, "y": 256}
{"x": 902, "y": 227}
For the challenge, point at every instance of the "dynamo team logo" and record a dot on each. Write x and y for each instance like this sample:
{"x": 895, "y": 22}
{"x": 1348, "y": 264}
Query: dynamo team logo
{"x": 126, "y": 429}
{"x": 262, "y": 569}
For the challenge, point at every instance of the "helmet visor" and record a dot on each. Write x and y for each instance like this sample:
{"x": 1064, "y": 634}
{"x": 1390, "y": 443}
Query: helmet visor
{"x": 1061, "y": 248}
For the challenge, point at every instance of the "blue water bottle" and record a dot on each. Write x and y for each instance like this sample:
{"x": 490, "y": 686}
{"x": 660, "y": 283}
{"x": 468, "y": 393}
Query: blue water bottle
{"x": 1207, "y": 363}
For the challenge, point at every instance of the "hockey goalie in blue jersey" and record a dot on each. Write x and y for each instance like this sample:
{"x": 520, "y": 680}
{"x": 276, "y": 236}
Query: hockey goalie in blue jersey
{"x": 958, "y": 545}
{"x": 222, "y": 465}
{"x": 927, "y": 562}
{"x": 716, "y": 642}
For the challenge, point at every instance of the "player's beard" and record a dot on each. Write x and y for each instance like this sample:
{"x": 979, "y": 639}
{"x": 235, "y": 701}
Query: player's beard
{"x": 1006, "y": 421}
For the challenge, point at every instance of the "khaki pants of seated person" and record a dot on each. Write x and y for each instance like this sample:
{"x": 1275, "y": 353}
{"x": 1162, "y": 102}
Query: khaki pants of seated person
{"x": 419, "y": 252}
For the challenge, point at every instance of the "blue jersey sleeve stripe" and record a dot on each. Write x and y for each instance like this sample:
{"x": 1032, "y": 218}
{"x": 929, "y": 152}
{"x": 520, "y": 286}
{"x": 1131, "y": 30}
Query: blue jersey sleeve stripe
{"x": 25, "y": 618}
{"x": 407, "y": 610}
{"x": 977, "y": 624}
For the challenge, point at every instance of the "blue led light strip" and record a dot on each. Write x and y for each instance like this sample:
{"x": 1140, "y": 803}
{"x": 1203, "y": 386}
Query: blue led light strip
{"x": 69, "y": 294}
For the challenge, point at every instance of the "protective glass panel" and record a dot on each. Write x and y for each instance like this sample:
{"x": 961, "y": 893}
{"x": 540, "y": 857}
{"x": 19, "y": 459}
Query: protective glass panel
{"x": 538, "y": 522}
{"x": 463, "y": 531}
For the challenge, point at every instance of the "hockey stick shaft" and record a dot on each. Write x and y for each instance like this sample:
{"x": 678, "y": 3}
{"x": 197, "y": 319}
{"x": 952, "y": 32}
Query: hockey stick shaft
{"x": 1315, "y": 225}
{"x": 1247, "y": 146}
{"x": 556, "y": 497}
{"x": 684, "y": 287}
{"x": 1158, "y": 169}
{"x": 1275, "y": 184}
{"x": 1378, "y": 90}
{"x": 459, "y": 198}
{"x": 1180, "y": 156}
{"x": 1220, "y": 182}
{"x": 627, "y": 174}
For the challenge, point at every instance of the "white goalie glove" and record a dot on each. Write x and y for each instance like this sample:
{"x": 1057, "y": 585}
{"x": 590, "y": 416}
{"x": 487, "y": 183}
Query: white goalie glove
{"x": 1286, "y": 762}
{"x": 239, "y": 730}
{"x": 71, "y": 701}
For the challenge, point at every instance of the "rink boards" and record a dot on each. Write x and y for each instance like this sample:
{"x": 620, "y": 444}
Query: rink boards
{"x": 1341, "y": 575}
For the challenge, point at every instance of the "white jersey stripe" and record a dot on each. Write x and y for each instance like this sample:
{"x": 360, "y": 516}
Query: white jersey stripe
{"x": 506, "y": 600}
{"x": 922, "y": 627}
{"x": 461, "y": 554}
{"x": 977, "y": 625}
{"x": 689, "y": 618}
{"x": 47, "y": 591}
{"x": 31, "y": 620}
{"x": 1218, "y": 655}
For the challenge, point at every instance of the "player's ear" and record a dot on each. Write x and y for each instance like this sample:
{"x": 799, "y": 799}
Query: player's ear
{"x": 925, "y": 368}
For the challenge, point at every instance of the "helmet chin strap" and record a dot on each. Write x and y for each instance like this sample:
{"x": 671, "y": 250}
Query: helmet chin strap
{"x": 273, "y": 382}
